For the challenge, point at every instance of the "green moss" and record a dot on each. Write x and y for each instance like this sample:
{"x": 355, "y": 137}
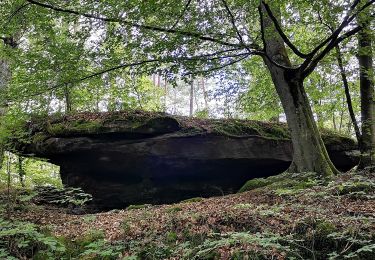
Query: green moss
{"x": 171, "y": 237}
{"x": 75, "y": 127}
{"x": 357, "y": 186}
{"x": 56, "y": 129}
{"x": 332, "y": 138}
{"x": 285, "y": 183}
{"x": 39, "y": 137}
{"x": 86, "y": 127}
{"x": 197, "y": 199}
{"x": 173, "y": 209}
{"x": 254, "y": 184}
{"x": 141, "y": 206}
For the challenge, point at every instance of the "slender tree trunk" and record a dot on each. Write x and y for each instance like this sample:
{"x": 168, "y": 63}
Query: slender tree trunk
{"x": 367, "y": 92}
{"x": 9, "y": 206}
{"x": 347, "y": 95}
{"x": 204, "y": 94}
{"x": 165, "y": 93}
{"x": 309, "y": 152}
{"x": 191, "y": 98}
{"x": 68, "y": 102}
{"x": 334, "y": 121}
{"x": 21, "y": 171}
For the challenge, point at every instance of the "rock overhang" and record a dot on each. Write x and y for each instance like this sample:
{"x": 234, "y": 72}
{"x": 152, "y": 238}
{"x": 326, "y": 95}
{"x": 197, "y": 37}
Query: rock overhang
{"x": 138, "y": 157}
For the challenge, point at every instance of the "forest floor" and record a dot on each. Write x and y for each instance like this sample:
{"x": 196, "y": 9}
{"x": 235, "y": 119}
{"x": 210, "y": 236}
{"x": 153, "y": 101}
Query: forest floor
{"x": 312, "y": 220}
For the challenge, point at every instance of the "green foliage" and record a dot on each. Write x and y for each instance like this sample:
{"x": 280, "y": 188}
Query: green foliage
{"x": 72, "y": 196}
{"x": 37, "y": 172}
{"x": 320, "y": 239}
{"x": 260, "y": 101}
{"x": 202, "y": 114}
{"x": 23, "y": 239}
{"x": 267, "y": 242}
{"x": 101, "y": 249}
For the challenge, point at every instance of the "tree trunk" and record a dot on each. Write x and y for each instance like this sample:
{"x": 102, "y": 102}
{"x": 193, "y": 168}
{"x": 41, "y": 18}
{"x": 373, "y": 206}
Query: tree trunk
{"x": 165, "y": 93}
{"x": 5, "y": 76}
{"x": 191, "y": 98}
{"x": 68, "y": 102}
{"x": 347, "y": 95}
{"x": 204, "y": 93}
{"x": 21, "y": 171}
{"x": 367, "y": 92}
{"x": 309, "y": 152}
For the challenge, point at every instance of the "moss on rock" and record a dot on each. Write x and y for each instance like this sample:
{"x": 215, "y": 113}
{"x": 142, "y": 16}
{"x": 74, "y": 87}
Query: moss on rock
{"x": 254, "y": 184}
{"x": 283, "y": 183}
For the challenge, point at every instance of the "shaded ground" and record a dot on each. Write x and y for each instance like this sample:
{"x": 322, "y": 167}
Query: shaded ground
{"x": 305, "y": 220}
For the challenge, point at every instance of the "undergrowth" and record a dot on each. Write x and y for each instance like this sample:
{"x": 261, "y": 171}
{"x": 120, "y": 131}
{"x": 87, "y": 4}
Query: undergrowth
{"x": 291, "y": 219}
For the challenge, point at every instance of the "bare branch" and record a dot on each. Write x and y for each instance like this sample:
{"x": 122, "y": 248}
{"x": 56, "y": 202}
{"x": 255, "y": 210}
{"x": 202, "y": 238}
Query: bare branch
{"x": 281, "y": 32}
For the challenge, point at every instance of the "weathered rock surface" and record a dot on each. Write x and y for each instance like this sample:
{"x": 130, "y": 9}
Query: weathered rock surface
{"x": 136, "y": 158}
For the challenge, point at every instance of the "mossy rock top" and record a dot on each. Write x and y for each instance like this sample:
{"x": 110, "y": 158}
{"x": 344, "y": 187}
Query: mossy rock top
{"x": 152, "y": 123}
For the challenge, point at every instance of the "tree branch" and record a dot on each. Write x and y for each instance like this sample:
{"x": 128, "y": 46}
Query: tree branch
{"x": 329, "y": 47}
{"x": 333, "y": 40}
{"x": 219, "y": 67}
{"x": 233, "y": 21}
{"x": 281, "y": 32}
{"x": 210, "y": 56}
{"x": 136, "y": 25}
{"x": 16, "y": 12}
{"x": 182, "y": 14}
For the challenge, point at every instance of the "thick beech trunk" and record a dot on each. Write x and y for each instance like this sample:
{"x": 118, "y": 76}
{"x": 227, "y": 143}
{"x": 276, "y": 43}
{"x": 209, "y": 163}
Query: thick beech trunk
{"x": 367, "y": 93}
{"x": 310, "y": 153}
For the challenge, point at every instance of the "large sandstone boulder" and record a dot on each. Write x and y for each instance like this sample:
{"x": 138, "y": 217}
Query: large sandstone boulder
{"x": 136, "y": 157}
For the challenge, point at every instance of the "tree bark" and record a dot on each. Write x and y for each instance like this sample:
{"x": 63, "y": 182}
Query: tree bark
{"x": 347, "y": 95}
{"x": 21, "y": 171}
{"x": 191, "y": 97}
{"x": 309, "y": 152}
{"x": 68, "y": 102}
{"x": 5, "y": 76}
{"x": 366, "y": 92}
